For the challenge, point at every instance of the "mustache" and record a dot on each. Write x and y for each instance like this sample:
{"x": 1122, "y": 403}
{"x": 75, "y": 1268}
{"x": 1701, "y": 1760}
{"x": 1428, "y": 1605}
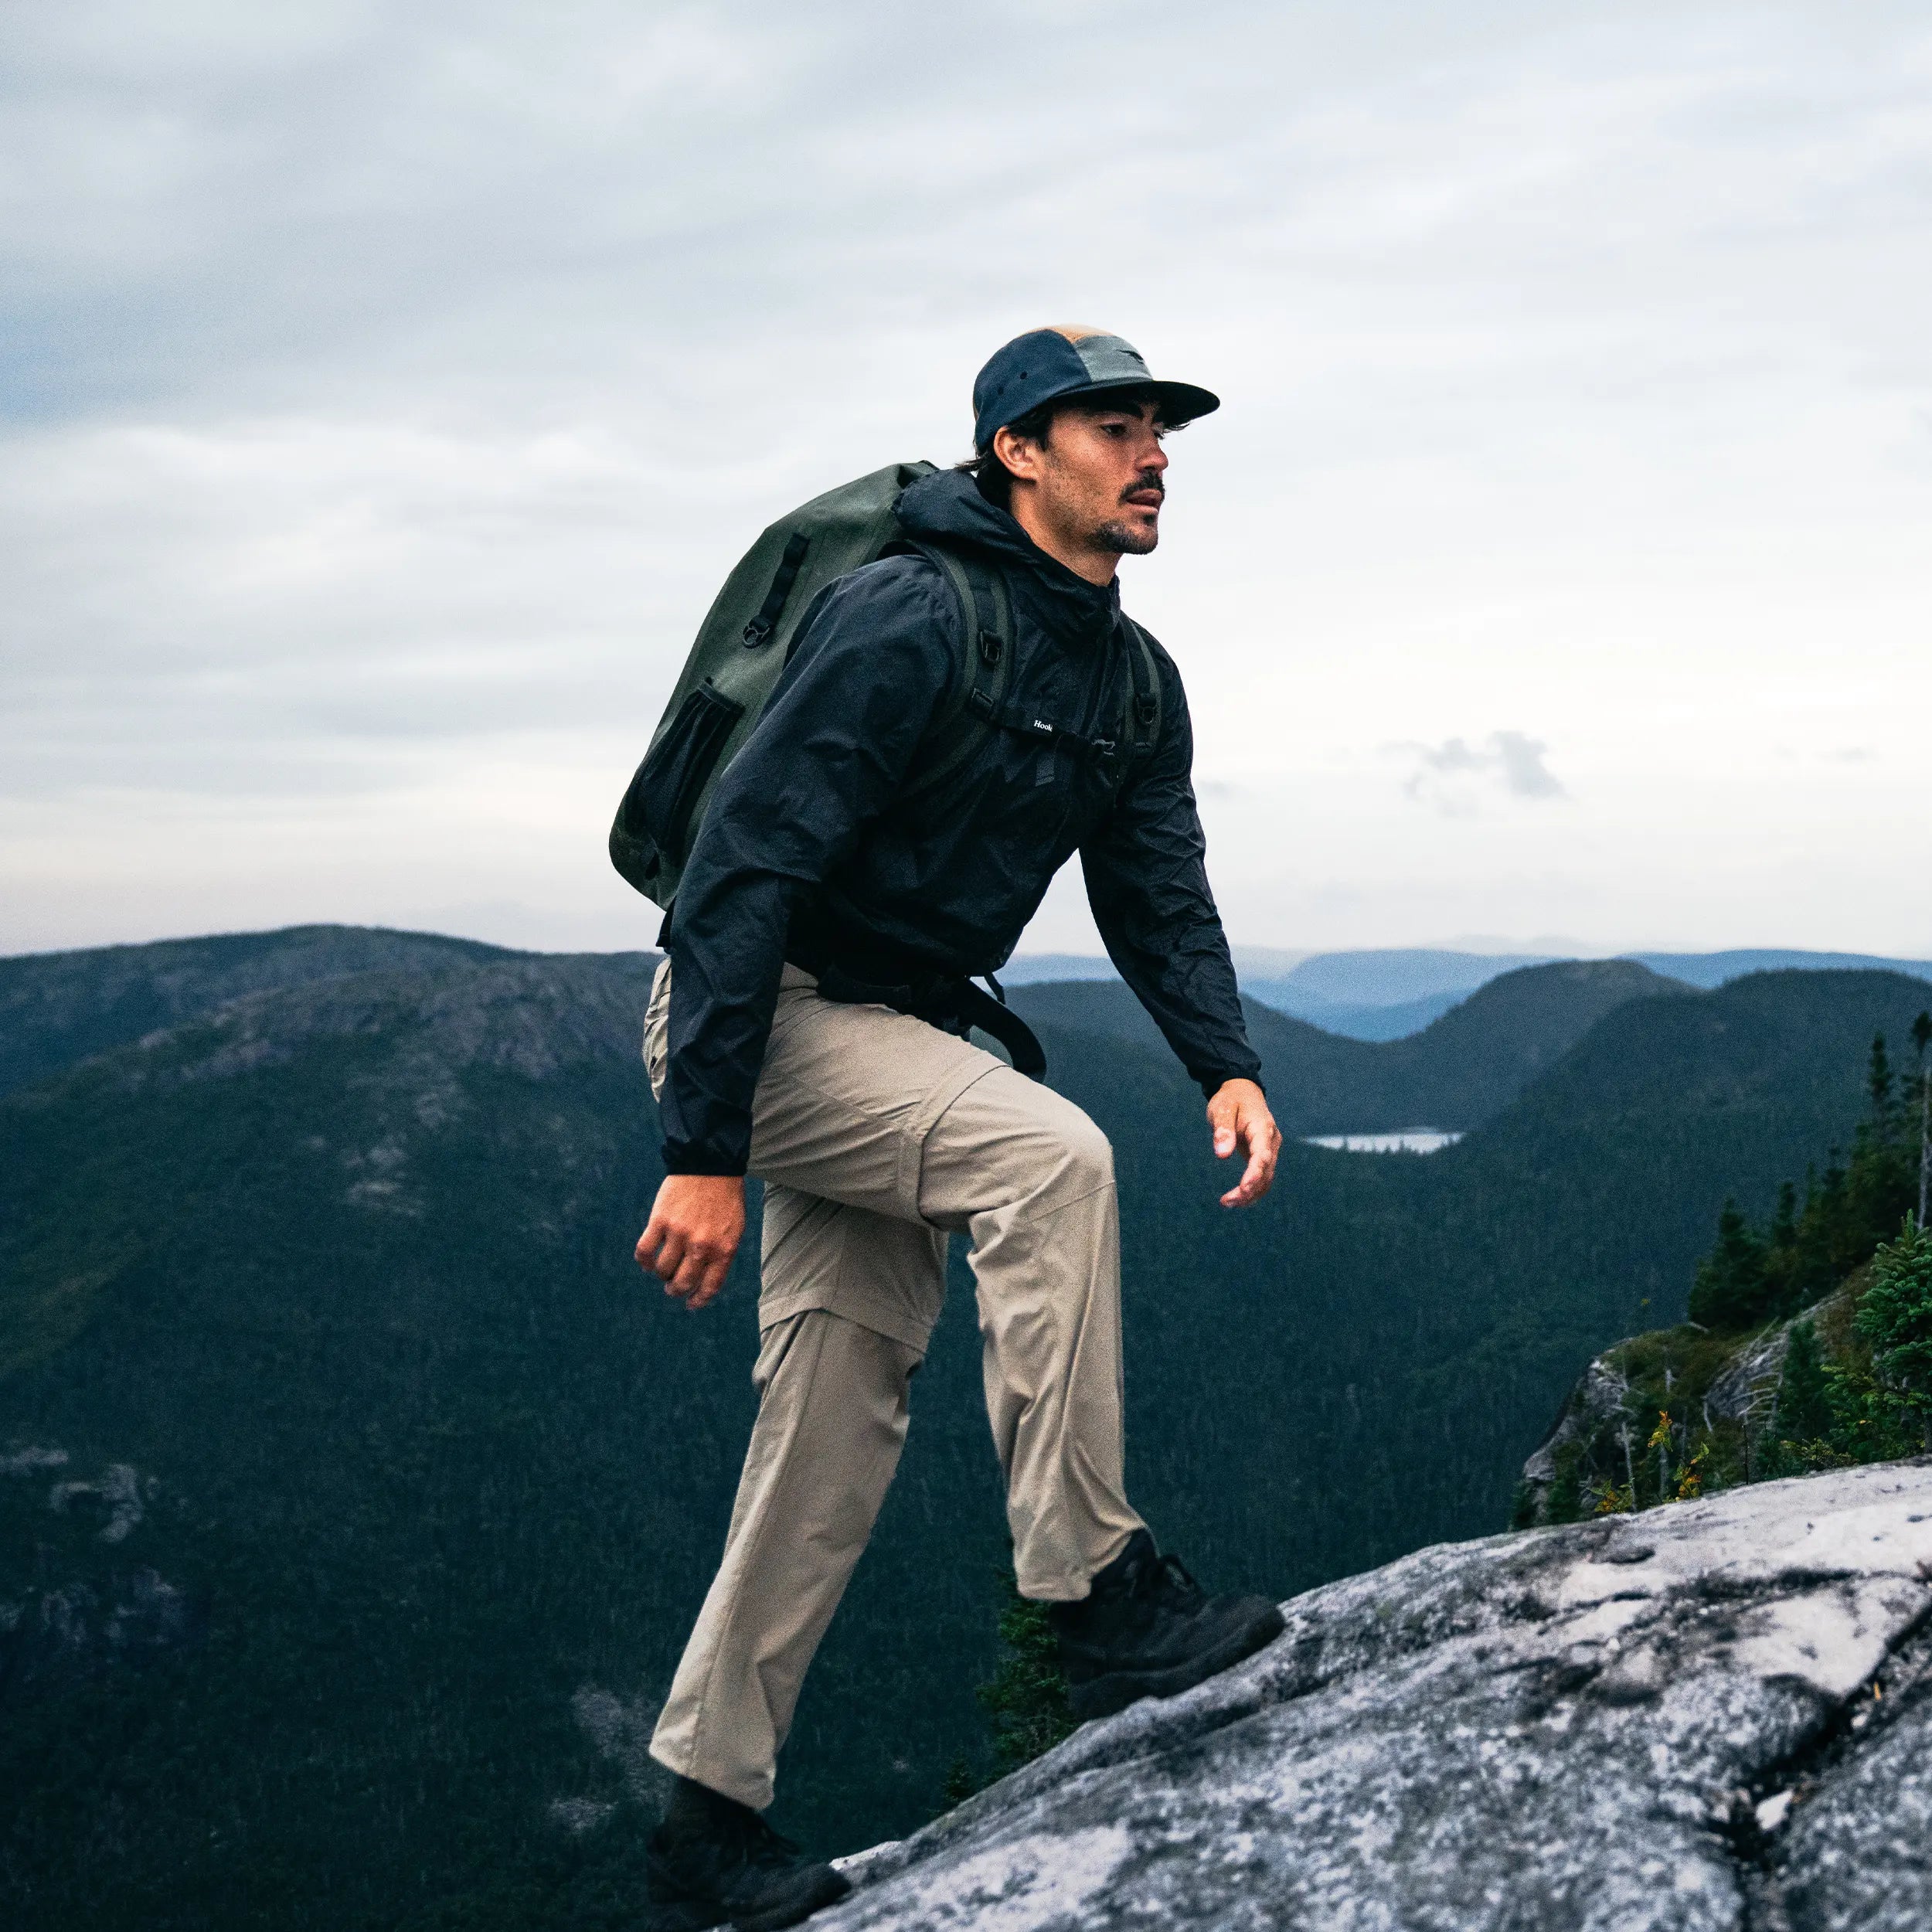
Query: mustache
{"x": 1148, "y": 480}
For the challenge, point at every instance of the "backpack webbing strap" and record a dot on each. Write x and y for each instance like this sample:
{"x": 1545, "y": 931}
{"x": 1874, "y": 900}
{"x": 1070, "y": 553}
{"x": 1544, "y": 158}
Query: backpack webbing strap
{"x": 947, "y": 1001}
{"x": 759, "y": 631}
{"x": 1144, "y": 725}
{"x": 986, "y": 613}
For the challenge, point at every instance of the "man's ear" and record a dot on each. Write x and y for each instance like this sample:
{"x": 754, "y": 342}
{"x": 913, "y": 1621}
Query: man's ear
{"x": 1019, "y": 454}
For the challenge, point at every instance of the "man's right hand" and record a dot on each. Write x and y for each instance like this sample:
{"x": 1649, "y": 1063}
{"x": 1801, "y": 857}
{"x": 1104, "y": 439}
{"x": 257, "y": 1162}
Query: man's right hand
{"x": 696, "y": 1223}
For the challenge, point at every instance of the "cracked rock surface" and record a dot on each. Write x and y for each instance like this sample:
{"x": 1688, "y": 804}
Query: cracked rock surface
{"x": 1716, "y": 1715}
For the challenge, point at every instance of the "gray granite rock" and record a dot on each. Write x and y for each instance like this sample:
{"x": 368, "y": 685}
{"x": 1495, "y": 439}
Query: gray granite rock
{"x": 1665, "y": 1721}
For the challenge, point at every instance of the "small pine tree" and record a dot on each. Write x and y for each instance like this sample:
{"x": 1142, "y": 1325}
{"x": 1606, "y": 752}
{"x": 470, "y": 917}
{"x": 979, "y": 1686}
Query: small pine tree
{"x": 1880, "y": 1085}
{"x": 1566, "y": 1500}
{"x": 1784, "y": 1222}
{"x": 1803, "y": 1410}
{"x": 1733, "y": 1289}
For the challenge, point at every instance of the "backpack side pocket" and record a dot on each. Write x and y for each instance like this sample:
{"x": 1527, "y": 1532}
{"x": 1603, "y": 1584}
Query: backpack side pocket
{"x": 665, "y": 795}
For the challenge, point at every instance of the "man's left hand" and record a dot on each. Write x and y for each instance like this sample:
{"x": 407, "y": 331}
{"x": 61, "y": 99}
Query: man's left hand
{"x": 1239, "y": 1115}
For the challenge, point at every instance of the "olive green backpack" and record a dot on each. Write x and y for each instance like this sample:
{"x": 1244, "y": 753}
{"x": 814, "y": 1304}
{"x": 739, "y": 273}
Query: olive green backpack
{"x": 746, "y": 637}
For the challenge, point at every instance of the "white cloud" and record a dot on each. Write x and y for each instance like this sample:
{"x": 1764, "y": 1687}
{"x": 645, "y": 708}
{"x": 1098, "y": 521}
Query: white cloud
{"x": 386, "y": 392}
{"x": 1513, "y": 761}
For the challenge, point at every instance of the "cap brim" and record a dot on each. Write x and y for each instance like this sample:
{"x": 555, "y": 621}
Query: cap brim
{"x": 1180, "y": 402}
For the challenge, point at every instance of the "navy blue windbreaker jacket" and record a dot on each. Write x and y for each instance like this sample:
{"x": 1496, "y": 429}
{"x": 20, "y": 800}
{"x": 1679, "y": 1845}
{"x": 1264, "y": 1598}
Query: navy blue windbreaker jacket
{"x": 808, "y": 850}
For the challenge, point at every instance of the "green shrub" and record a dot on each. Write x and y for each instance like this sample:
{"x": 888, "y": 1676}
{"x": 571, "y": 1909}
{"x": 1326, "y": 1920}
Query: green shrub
{"x": 1024, "y": 1700}
{"x": 1566, "y": 1502}
{"x": 1896, "y": 1317}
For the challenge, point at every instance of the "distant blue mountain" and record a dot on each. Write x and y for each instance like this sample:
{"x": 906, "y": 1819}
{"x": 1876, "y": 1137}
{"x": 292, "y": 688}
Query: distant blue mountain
{"x": 1391, "y": 993}
{"x": 1029, "y": 969}
{"x": 1368, "y": 1022}
{"x": 1392, "y": 976}
{"x": 1719, "y": 969}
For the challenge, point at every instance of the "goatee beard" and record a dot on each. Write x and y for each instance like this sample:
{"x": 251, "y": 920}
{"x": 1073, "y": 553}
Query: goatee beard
{"x": 1129, "y": 539}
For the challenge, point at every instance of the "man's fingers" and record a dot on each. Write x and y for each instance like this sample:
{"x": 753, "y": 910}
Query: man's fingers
{"x": 1239, "y": 1115}
{"x": 1263, "y": 1142}
{"x": 696, "y": 1224}
{"x": 713, "y": 1280}
{"x": 670, "y": 1262}
{"x": 1252, "y": 1185}
{"x": 701, "y": 1273}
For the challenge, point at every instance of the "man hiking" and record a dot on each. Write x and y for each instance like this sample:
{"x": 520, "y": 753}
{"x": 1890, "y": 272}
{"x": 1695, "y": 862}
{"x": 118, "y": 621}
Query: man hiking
{"x": 830, "y": 899}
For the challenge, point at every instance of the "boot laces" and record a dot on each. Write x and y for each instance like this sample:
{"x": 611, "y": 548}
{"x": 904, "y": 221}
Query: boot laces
{"x": 1167, "y": 1582}
{"x": 759, "y": 1844}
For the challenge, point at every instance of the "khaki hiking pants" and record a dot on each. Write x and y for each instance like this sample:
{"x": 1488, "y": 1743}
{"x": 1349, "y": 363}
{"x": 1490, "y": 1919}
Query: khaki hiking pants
{"x": 876, "y": 1134}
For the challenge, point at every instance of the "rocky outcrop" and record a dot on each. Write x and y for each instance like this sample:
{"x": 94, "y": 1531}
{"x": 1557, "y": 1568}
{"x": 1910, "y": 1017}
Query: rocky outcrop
{"x": 54, "y": 1632}
{"x": 1714, "y": 1717}
{"x": 533, "y": 1017}
{"x": 1721, "y": 1390}
{"x": 57, "y": 1008}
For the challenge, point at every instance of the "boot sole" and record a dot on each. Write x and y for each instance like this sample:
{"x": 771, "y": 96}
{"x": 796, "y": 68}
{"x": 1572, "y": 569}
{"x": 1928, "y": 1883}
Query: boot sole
{"x": 828, "y": 1889}
{"x": 681, "y": 1916}
{"x": 694, "y": 1915}
{"x": 1102, "y": 1696}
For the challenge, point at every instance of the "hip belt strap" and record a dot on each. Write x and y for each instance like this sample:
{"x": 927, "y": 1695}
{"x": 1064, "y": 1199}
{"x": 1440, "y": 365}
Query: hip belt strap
{"x": 947, "y": 1001}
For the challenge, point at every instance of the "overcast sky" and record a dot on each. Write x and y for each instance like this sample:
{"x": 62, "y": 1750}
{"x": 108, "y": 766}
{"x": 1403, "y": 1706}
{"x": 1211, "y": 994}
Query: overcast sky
{"x": 384, "y": 390}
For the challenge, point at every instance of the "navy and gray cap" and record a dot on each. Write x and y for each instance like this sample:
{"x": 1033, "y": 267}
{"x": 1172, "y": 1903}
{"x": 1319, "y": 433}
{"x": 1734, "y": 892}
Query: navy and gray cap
{"x": 1045, "y": 364}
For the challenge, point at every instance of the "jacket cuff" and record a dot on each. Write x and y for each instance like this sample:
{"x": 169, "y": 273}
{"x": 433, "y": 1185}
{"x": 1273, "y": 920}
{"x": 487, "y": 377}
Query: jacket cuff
{"x": 692, "y": 1160}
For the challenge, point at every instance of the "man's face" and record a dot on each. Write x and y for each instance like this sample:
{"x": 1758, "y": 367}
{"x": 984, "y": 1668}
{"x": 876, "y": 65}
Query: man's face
{"x": 1096, "y": 482}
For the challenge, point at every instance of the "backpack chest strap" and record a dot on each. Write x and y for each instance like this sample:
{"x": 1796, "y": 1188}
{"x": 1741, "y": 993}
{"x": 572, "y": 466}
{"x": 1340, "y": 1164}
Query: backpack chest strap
{"x": 1026, "y": 724}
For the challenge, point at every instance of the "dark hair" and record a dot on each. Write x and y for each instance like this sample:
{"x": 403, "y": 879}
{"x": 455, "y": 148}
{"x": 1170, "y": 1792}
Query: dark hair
{"x": 995, "y": 480}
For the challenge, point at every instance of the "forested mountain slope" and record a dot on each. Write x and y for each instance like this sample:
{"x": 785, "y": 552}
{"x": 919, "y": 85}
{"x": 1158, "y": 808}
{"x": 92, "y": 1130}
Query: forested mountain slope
{"x": 1455, "y": 1073}
{"x": 389, "y": 1488}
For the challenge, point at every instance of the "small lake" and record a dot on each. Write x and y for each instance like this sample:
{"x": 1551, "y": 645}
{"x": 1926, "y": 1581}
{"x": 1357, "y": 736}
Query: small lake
{"x": 1410, "y": 1140}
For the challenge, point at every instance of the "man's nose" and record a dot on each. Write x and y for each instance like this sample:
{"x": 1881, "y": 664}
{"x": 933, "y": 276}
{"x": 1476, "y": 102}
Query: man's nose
{"x": 1153, "y": 458}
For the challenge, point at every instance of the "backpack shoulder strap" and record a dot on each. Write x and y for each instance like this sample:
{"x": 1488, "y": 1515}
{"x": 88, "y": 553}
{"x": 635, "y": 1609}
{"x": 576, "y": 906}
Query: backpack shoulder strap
{"x": 1144, "y": 725}
{"x": 986, "y": 612}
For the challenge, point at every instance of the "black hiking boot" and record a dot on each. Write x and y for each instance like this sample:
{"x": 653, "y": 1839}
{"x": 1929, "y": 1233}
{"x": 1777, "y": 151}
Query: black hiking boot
{"x": 715, "y": 1861}
{"x": 1146, "y": 1629}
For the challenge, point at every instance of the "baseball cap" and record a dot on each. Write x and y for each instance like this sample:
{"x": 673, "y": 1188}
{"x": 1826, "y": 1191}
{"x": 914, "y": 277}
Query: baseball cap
{"x": 1046, "y": 364}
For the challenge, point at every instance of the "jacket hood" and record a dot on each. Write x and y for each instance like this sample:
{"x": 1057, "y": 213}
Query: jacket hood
{"x": 948, "y": 507}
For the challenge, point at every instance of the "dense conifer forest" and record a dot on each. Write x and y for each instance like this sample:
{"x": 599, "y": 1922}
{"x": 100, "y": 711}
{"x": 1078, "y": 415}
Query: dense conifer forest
{"x": 355, "y": 1494}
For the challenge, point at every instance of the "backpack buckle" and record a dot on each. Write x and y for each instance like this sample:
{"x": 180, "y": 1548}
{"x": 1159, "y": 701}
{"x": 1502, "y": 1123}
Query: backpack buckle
{"x": 1145, "y": 710}
{"x": 990, "y": 647}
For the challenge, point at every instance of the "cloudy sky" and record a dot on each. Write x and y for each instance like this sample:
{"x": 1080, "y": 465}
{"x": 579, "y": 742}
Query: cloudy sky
{"x": 384, "y": 388}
